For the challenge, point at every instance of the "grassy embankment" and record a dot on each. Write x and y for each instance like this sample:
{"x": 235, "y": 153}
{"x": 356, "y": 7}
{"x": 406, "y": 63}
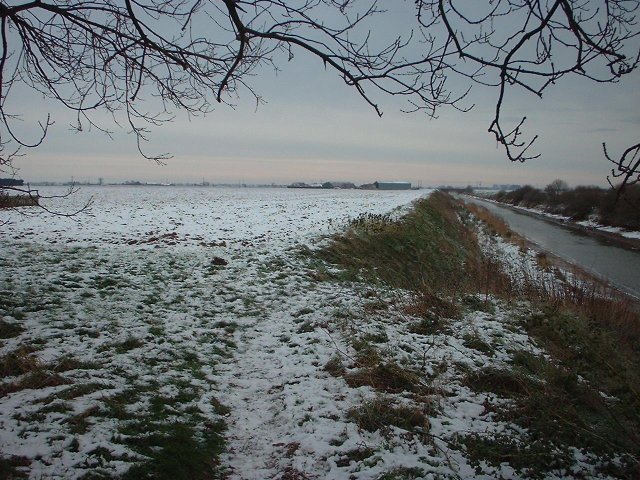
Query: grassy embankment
{"x": 583, "y": 395}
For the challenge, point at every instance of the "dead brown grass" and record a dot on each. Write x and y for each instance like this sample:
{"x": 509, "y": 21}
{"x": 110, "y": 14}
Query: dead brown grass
{"x": 595, "y": 301}
{"x": 385, "y": 377}
{"x": 13, "y": 201}
{"x": 18, "y": 362}
{"x": 30, "y": 372}
{"x": 495, "y": 224}
{"x": 586, "y": 295}
{"x": 381, "y": 413}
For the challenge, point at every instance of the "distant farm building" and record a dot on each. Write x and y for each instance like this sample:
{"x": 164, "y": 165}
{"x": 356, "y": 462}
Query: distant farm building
{"x": 342, "y": 185}
{"x": 392, "y": 185}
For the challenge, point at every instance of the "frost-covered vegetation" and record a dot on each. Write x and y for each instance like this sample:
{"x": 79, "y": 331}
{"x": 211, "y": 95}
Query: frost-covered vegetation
{"x": 252, "y": 334}
{"x": 549, "y": 360}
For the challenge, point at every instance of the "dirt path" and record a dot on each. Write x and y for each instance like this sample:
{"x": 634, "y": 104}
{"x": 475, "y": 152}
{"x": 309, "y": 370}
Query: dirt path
{"x": 285, "y": 409}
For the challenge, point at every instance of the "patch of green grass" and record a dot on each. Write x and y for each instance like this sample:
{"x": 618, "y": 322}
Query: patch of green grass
{"x": 376, "y": 305}
{"x": 157, "y": 330}
{"x": 504, "y": 382}
{"x": 222, "y": 352}
{"x": 228, "y": 326}
{"x": 557, "y": 410}
{"x": 377, "y": 337}
{"x": 80, "y": 390}
{"x": 82, "y": 331}
{"x": 14, "y": 302}
{"x": 34, "y": 380}
{"x": 581, "y": 347}
{"x": 10, "y": 329}
{"x": 177, "y": 451}
{"x": 107, "y": 282}
{"x": 429, "y": 325}
{"x": 172, "y": 435}
{"x": 366, "y": 353}
{"x": 8, "y": 467}
{"x": 476, "y": 303}
{"x": 589, "y": 349}
{"x": 79, "y": 424}
{"x": 131, "y": 343}
{"x": 43, "y": 299}
{"x": 528, "y": 362}
{"x": 178, "y": 299}
{"x": 18, "y": 314}
{"x": 342, "y": 314}
{"x": 151, "y": 299}
{"x": 532, "y": 458}
{"x": 355, "y": 455}
{"x": 306, "y": 327}
{"x": 403, "y": 473}
{"x": 474, "y": 342}
{"x": 335, "y": 366}
{"x": 67, "y": 363}
{"x": 190, "y": 362}
{"x": 115, "y": 405}
{"x": 97, "y": 474}
{"x": 52, "y": 405}
{"x": 386, "y": 377}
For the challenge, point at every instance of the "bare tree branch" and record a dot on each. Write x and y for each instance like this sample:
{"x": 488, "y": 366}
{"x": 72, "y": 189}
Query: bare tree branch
{"x": 532, "y": 44}
{"x": 627, "y": 167}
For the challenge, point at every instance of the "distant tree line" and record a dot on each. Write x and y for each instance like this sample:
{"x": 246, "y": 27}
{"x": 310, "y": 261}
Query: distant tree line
{"x": 580, "y": 203}
{"x": 11, "y": 182}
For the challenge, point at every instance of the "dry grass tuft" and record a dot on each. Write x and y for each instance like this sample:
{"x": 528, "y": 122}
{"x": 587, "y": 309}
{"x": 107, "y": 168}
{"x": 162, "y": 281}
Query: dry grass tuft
{"x": 19, "y": 362}
{"x": 386, "y": 377}
{"x": 380, "y": 414}
{"x": 496, "y": 225}
{"x": 593, "y": 300}
{"x": 10, "y": 329}
{"x": 30, "y": 372}
{"x": 13, "y": 201}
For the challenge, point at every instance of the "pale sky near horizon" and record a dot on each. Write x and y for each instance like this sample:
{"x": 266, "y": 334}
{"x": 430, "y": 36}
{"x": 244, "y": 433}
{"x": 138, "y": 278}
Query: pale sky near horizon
{"x": 314, "y": 128}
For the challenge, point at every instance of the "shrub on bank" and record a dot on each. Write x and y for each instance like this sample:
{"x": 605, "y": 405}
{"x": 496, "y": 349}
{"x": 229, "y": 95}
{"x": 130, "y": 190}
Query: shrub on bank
{"x": 581, "y": 203}
{"x": 623, "y": 211}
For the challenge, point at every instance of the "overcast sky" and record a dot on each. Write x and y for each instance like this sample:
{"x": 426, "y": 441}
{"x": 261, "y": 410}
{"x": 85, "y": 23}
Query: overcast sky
{"x": 314, "y": 128}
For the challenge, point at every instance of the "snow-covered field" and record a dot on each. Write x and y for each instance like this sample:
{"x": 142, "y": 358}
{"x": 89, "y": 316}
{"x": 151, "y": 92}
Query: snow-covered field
{"x": 168, "y": 310}
{"x": 196, "y": 217}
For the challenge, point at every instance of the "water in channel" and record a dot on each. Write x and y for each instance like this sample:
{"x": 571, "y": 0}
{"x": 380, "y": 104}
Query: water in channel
{"x": 619, "y": 266}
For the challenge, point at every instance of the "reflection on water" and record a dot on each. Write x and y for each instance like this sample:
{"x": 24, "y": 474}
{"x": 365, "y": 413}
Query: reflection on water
{"x": 619, "y": 266}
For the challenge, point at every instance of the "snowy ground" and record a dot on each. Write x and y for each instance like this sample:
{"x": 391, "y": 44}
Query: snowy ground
{"x": 187, "y": 306}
